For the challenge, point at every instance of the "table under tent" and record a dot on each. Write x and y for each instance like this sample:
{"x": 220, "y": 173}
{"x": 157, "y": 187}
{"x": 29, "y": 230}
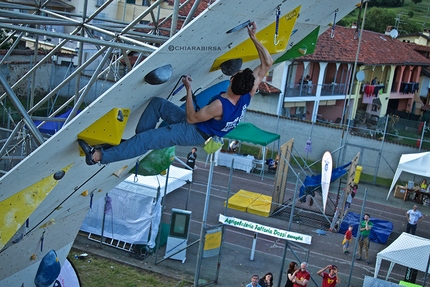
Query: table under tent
{"x": 413, "y": 163}
{"x": 247, "y": 132}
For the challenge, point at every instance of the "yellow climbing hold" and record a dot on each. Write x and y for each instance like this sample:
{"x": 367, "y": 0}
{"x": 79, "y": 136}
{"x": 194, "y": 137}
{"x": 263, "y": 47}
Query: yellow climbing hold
{"x": 246, "y": 50}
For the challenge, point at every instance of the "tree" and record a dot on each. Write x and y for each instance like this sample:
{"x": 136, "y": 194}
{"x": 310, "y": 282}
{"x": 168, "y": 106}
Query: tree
{"x": 409, "y": 27}
{"x": 417, "y": 1}
{"x": 3, "y": 36}
{"x": 377, "y": 19}
{"x": 387, "y": 3}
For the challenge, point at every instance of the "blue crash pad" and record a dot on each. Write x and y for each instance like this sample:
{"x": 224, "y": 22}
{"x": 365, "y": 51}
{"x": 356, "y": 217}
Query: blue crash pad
{"x": 53, "y": 127}
{"x": 313, "y": 182}
{"x": 379, "y": 233}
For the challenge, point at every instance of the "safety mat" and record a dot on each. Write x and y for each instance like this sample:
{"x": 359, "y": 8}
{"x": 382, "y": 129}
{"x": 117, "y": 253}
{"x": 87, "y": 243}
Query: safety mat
{"x": 260, "y": 206}
{"x": 242, "y": 199}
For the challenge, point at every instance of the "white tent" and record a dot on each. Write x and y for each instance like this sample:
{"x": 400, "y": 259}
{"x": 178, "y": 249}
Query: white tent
{"x": 135, "y": 212}
{"x": 407, "y": 250}
{"x": 416, "y": 163}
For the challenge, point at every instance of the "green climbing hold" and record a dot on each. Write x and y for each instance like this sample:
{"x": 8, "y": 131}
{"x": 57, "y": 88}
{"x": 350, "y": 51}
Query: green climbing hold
{"x": 156, "y": 162}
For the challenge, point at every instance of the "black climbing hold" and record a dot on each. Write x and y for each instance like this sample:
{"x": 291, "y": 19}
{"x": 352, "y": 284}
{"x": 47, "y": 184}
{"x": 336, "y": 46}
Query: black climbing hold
{"x": 231, "y": 67}
{"x": 59, "y": 174}
{"x": 159, "y": 75}
{"x": 120, "y": 116}
{"x": 240, "y": 26}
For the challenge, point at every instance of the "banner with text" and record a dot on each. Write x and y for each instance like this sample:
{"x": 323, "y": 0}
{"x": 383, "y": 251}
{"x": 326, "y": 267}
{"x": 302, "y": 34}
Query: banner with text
{"x": 258, "y": 228}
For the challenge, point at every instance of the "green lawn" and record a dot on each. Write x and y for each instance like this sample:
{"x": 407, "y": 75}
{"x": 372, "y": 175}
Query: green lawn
{"x": 95, "y": 271}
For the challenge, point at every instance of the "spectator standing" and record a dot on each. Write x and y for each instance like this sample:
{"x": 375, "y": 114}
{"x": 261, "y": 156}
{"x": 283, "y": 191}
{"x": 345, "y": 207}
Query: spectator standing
{"x": 363, "y": 239}
{"x": 423, "y": 184}
{"x": 266, "y": 280}
{"x": 291, "y": 269}
{"x": 301, "y": 276}
{"x": 254, "y": 282}
{"x": 413, "y": 216}
{"x": 330, "y": 279}
{"x": 191, "y": 157}
{"x": 347, "y": 240}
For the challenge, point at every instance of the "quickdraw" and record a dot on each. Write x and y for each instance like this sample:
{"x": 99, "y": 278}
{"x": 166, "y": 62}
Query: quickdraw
{"x": 136, "y": 171}
{"x": 42, "y": 238}
{"x": 91, "y": 199}
{"x": 334, "y": 23}
{"x": 176, "y": 90}
{"x": 278, "y": 14}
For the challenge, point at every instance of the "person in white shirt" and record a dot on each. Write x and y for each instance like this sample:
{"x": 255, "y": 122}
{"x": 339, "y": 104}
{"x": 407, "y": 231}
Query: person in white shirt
{"x": 413, "y": 216}
{"x": 254, "y": 282}
{"x": 234, "y": 145}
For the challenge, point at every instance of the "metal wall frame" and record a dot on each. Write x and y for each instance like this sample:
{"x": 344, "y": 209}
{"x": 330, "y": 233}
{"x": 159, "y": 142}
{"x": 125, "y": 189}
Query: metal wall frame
{"x": 21, "y": 136}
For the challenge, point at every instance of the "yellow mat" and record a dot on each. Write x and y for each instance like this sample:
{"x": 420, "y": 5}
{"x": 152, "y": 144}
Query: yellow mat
{"x": 260, "y": 206}
{"x": 242, "y": 199}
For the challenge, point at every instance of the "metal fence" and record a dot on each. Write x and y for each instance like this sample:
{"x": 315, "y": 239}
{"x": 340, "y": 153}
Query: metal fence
{"x": 297, "y": 212}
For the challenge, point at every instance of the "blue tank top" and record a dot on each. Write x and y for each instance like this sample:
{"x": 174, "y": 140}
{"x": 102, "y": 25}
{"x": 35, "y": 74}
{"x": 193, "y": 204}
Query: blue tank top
{"x": 231, "y": 116}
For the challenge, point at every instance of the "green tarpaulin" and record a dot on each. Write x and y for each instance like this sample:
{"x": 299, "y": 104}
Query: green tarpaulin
{"x": 247, "y": 132}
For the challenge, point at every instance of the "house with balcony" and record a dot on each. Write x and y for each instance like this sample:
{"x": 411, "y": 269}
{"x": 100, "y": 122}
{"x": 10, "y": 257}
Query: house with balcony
{"x": 420, "y": 42}
{"x": 328, "y": 86}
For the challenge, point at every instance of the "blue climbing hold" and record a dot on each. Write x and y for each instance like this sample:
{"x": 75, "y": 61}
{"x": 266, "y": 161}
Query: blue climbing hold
{"x": 48, "y": 270}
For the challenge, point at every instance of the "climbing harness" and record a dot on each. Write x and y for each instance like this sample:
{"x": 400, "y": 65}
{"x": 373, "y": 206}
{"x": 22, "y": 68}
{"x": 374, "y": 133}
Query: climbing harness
{"x": 334, "y": 23}
{"x": 278, "y": 14}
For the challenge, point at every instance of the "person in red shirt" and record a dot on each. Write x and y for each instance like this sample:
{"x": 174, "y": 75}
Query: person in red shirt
{"x": 330, "y": 279}
{"x": 347, "y": 239}
{"x": 301, "y": 276}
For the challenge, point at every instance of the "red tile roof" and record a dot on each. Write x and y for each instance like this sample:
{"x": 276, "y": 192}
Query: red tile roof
{"x": 204, "y": 4}
{"x": 375, "y": 49}
{"x": 187, "y": 8}
{"x": 419, "y": 48}
{"x": 266, "y": 88}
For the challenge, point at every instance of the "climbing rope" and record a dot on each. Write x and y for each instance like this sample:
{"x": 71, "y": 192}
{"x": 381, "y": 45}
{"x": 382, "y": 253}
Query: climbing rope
{"x": 195, "y": 100}
{"x": 278, "y": 14}
{"x": 334, "y": 23}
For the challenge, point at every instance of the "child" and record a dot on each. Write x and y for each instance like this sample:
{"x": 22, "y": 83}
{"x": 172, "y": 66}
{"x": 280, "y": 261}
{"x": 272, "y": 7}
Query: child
{"x": 347, "y": 239}
{"x": 354, "y": 190}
